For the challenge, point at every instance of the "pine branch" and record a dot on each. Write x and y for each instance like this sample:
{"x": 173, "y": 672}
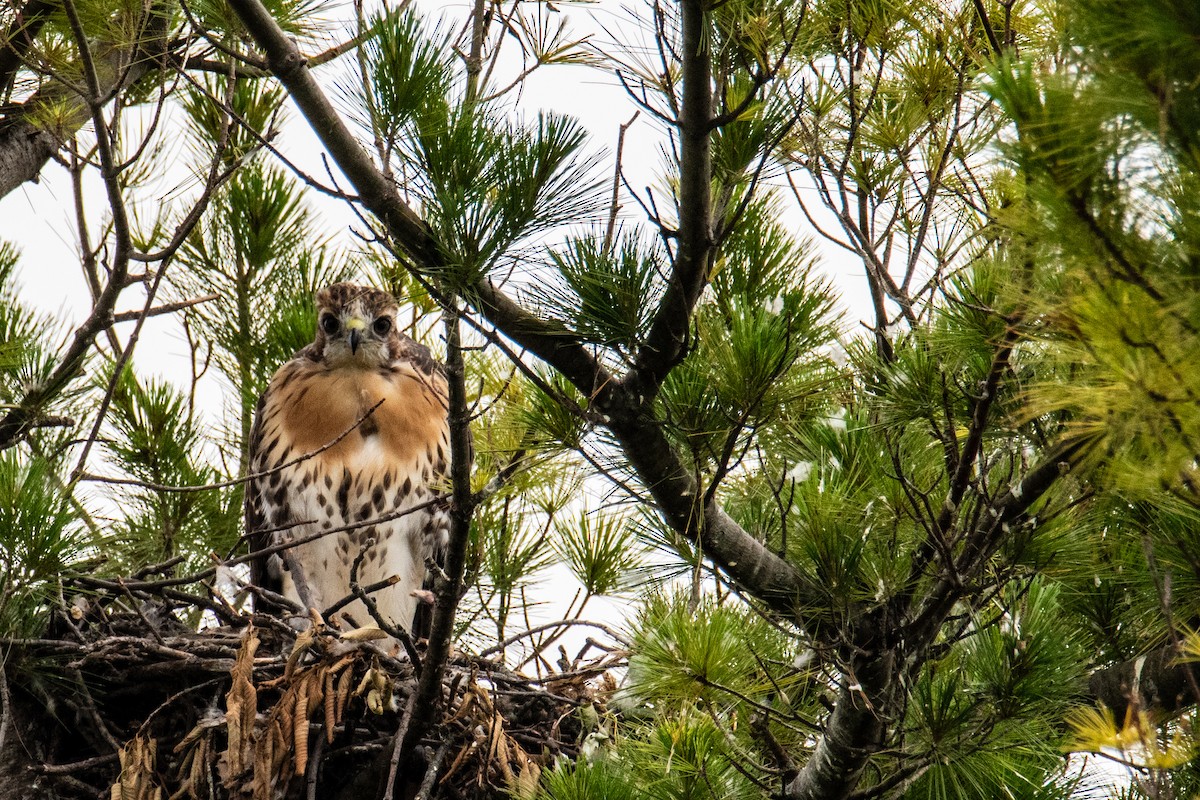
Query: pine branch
{"x": 19, "y": 37}
{"x": 448, "y": 589}
{"x": 669, "y": 338}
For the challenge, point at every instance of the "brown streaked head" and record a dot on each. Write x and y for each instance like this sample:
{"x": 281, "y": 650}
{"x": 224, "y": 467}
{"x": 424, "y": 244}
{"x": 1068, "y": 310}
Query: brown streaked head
{"x": 356, "y": 325}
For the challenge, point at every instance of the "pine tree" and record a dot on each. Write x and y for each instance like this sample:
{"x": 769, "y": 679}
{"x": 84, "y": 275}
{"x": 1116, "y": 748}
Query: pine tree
{"x": 922, "y": 557}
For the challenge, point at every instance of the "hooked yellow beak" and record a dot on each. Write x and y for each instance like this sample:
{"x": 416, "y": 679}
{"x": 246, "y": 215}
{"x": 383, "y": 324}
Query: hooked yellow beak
{"x": 355, "y": 326}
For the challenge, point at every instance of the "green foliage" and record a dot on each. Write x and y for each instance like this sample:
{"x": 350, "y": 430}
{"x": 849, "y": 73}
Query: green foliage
{"x": 709, "y": 654}
{"x": 156, "y": 440}
{"x": 759, "y": 359}
{"x": 26, "y": 359}
{"x": 40, "y": 539}
{"x": 601, "y": 551}
{"x": 546, "y": 419}
{"x": 300, "y": 18}
{"x": 509, "y": 554}
{"x": 256, "y": 106}
{"x": 485, "y": 184}
{"x": 412, "y": 73}
{"x": 1109, "y": 220}
{"x": 606, "y": 293}
{"x": 588, "y": 780}
{"x": 488, "y": 185}
{"x": 698, "y": 678}
{"x": 681, "y": 758}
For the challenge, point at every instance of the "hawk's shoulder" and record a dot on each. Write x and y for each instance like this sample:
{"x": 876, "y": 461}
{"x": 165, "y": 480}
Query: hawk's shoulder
{"x": 406, "y": 350}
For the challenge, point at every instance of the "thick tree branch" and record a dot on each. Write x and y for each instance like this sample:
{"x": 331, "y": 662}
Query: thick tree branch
{"x": 856, "y": 728}
{"x": 667, "y": 342}
{"x": 979, "y": 545}
{"x": 886, "y": 653}
{"x": 1156, "y": 681}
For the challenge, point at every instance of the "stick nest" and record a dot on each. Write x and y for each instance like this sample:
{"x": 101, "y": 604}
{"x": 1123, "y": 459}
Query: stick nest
{"x": 129, "y": 703}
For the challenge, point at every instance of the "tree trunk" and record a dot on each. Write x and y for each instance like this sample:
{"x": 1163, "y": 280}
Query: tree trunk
{"x": 33, "y": 131}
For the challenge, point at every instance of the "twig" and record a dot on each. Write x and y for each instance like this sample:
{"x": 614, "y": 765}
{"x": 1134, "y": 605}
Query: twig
{"x": 314, "y": 768}
{"x": 75, "y": 766}
{"x": 370, "y": 588}
{"x": 496, "y": 648}
{"x": 118, "y": 369}
{"x": 299, "y": 580}
{"x": 448, "y": 587}
{"x": 158, "y": 487}
{"x": 132, "y": 316}
{"x": 616, "y": 189}
{"x": 398, "y": 746}
{"x": 5, "y": 705}
{"x": 373, "y": 609}
{"x": 431, "y": 772}
{"x": 89, "y": 705}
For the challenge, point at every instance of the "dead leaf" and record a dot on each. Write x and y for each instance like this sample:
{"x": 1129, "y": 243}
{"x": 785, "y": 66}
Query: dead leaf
{"x": 366, "y": 634}
{"x": 136, "y": 781}
{"x": 241, "y": 708}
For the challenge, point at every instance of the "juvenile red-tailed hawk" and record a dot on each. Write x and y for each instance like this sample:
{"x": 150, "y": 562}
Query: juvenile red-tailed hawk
{"x": 388, "y": 460}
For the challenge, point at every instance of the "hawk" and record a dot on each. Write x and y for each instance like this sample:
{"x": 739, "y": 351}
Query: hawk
{"x": 367, "y": 404}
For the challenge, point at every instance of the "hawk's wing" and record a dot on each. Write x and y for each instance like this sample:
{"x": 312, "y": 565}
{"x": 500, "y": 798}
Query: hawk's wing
{"x": 264, "y": 570}
{"x": 262, "y": 511}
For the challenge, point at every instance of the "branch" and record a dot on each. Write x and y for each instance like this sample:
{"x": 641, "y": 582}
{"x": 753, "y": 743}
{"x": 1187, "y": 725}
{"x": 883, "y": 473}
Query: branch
{"x": 1007, "y": 510}
{"x": 448, "y": 586}
{"x": 168, "y": 308}
{"x": 986, "y": 22}
{"x": 160, "y": 487}
{"x": 668, "y": 340}
{"x": 363, "y": 595}
{"x": 1156, "y": 681}
{"x": 378, "y": 195}
{"x": 854, "y": 731}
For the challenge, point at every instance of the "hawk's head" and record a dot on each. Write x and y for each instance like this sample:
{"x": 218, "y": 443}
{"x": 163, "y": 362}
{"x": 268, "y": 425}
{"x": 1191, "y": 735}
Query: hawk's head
{"x": 355, "y": 325}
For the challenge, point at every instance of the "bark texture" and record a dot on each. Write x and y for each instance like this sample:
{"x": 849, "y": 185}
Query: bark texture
{"x": 32, "y": 132}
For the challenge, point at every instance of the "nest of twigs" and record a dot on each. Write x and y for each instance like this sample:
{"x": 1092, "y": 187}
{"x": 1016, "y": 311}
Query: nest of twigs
{"x": 128, "y": 702}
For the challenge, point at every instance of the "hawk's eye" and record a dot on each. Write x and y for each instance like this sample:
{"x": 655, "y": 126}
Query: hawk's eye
{"x": 382, "y": 325}
{"x": 330, "y": 324}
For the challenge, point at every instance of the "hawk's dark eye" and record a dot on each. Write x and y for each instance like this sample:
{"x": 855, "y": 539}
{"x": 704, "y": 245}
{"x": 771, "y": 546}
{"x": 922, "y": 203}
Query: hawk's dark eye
{"x": 330, "y": 324}
{"x": 382, "y": 325}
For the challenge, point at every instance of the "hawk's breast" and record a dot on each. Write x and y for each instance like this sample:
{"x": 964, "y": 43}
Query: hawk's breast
{"x": 408, "y": 426}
